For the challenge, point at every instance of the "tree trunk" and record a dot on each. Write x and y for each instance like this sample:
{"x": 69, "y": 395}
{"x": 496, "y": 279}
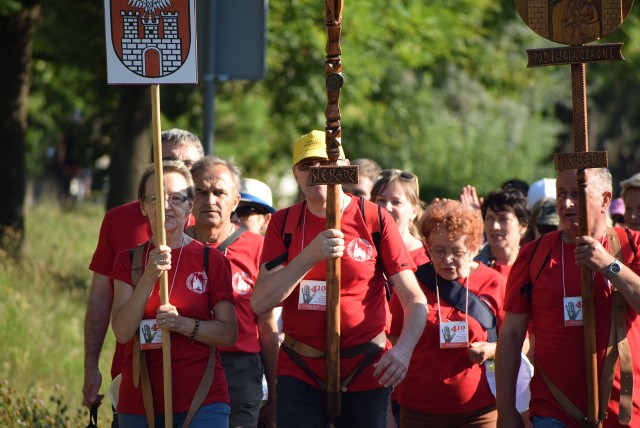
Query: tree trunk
{"x": 16, "y": 37}
{"x": 132, "y": 148}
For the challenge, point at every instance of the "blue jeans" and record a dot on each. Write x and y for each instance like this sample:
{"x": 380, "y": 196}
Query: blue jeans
{"x": 214, "y": 415}
{"x": 546, "y": 422}
{"x": 300, "y": 405}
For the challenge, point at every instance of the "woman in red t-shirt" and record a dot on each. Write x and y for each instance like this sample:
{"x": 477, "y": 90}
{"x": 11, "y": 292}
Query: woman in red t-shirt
{"x": 200, "y": 314}
{"x": 446, "y": 384}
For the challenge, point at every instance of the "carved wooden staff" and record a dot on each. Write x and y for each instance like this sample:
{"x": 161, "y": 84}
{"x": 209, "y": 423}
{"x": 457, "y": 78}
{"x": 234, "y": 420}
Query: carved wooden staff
{"x": 161, "y": 238}
{"x": 333, "y": 175}
{"x": 552, "y": 21}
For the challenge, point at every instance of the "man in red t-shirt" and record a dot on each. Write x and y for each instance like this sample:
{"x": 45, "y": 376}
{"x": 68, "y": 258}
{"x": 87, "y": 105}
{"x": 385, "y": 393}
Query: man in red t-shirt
{"x": 294, "y": 276}
{"x": 543, "y": 301}
{"x": 123, "y": 227}
{"x": 217, "y": 183}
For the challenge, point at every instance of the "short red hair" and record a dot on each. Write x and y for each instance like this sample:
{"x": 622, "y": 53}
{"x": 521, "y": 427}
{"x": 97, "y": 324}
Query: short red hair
{"x": 457, "y": 219}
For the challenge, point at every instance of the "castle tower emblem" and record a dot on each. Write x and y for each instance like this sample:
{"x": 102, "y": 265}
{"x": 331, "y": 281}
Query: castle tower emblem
{"x": 152, "y": 39}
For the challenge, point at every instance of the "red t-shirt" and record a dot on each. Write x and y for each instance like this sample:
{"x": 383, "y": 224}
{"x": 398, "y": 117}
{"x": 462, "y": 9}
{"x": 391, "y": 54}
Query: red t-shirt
{"x": 123, "y": 227}
{"x": 444, "y": 381}
{"x": 244, "y": 256}
{"x": 188, "y": 359}
{"x": 420, "y": 255}
{"x": 559, "y": 349}
{"x": 363, "y": 306}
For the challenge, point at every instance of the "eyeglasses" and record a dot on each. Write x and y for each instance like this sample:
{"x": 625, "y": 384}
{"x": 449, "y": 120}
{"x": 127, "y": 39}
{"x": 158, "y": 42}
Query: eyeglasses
{"x": 442, "y": 253}
{"x": 304, "y": 165}
{"x": 175, "y": 199}
{"x": 244, "y": 211}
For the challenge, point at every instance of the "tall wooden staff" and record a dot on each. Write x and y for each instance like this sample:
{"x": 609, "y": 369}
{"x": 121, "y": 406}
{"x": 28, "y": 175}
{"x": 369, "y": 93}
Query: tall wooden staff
{"x": 149, "y": 43}
{"x": 333, "y": 175}
{"x": 161, "y": 238}
{"x": 558, "y": 22}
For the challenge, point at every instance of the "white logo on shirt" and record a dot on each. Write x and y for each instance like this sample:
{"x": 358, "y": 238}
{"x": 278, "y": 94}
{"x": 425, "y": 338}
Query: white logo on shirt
{"x": 197, "y": 282}
{"x": 360, "y": 250}
{"x": 242, "y": 283}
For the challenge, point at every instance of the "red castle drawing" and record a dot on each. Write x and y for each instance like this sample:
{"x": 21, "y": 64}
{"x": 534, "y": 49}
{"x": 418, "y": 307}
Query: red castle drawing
{"x": 151, "y": 37}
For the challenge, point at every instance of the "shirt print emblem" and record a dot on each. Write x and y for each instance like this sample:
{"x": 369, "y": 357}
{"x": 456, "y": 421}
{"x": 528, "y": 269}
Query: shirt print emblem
{"x": 360, "y": 250}
{"x": 197, "y": 282}
{"x": 242, "y": 283}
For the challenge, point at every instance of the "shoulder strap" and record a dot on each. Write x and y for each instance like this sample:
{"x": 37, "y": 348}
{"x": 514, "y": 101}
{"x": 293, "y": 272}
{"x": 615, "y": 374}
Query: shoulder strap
{"x": 454, "y": 293}
{"x": 372, "y": 216}
{"x": 136, "y": 263}
{"x": 542, "y": 253}
{"x": 292, "y": 217}
{"x": 231, "y": 238}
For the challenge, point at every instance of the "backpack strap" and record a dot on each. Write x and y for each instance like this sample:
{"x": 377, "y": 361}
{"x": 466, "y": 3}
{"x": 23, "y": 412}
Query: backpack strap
{"x": 539, "y": 259}
{"x": 455, "y": 293}
{"x": 292, "y": 216}
{"x": 372, "y": 216}
{"x": 231, "y": 238}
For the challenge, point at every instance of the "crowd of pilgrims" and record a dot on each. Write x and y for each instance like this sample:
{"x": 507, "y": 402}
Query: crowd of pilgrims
{"x": 430, "y": 295}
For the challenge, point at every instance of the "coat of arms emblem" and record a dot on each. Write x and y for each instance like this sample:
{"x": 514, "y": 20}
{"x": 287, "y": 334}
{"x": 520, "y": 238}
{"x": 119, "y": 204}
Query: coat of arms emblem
{"x": 150, "y": 41}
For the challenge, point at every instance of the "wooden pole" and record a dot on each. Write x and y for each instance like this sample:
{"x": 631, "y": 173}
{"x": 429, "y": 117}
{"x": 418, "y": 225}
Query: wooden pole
{"x": 161, "y": 239}
{"x": 581, "y": 144}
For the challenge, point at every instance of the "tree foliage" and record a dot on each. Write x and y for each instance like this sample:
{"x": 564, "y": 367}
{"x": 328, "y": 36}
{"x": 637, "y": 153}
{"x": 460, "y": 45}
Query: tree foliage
{"x": 440, "y": 88}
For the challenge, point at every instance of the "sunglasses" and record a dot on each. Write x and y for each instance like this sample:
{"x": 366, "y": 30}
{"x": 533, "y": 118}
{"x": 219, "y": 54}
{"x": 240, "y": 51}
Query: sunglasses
{"x": 244, "y": 211}
{"x": 403, "y": 175}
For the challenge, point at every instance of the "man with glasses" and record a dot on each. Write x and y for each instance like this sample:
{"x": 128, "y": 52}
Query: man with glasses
{"x": 255, "y": 207}
{"x": 123, "y": 227}
{"x": 217, "y": 183}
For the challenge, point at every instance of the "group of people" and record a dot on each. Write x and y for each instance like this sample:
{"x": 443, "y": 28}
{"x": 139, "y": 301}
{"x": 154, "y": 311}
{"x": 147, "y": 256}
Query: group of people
{"x": 435, "y": 301}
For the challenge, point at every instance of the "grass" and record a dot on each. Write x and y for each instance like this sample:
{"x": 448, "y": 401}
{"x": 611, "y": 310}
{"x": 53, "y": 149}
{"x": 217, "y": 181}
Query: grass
{"x": 41, "y": 320}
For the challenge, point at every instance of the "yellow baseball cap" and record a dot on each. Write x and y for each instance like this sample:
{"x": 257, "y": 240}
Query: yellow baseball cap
{"x": 312, "y": 145}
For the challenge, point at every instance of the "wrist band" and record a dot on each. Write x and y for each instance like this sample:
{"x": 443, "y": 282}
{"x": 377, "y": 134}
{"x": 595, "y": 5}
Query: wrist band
{"x": 195, "y": 330}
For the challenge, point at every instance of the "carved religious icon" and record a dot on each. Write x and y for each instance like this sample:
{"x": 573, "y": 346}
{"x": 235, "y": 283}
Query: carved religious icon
{"x": 573, "y": 22}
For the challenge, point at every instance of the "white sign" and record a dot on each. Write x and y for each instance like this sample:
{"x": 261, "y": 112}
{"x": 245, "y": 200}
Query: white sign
{"x": 151, "y": 41}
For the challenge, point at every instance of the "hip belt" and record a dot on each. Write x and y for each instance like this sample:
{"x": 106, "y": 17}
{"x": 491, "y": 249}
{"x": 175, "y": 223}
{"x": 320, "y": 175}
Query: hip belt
{"x": 296, "y": 349}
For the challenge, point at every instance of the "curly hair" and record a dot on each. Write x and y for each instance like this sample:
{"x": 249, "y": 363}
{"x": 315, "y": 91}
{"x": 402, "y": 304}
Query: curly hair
{"x": 456, "y": 218}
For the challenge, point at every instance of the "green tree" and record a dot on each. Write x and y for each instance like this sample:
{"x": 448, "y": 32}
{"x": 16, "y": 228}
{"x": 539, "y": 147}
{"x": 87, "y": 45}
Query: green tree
{"x": 18, "y": 23}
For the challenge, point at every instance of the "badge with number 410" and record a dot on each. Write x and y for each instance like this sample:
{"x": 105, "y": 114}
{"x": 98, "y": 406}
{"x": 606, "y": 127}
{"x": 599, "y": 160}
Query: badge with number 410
{"x": 572, "y": 311}
{"x": 454, "y": 334}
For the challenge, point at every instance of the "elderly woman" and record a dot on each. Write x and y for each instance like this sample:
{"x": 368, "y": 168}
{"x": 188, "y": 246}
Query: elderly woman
{"x": 200, "y": 314}
{"x": 506, "y": 218}
{"x": 293, "y": 274}
{"x": 446, "y": 385}
{"x": 398, "y": 192}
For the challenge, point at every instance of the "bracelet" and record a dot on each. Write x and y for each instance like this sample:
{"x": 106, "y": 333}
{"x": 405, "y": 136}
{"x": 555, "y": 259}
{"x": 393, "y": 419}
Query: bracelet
{"x": 195, "y": 330}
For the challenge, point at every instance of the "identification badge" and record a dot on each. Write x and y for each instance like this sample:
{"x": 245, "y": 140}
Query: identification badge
{"x": 454, "y": 334}
{"x": 572, "y": 311}
{"x": 312, "y": 295}
{"x": 150, "y": 335}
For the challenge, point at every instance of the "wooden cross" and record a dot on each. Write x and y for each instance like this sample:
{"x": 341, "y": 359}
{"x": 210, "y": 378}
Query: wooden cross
{"x": 577, "y": 22}
{"x": 332, "y": 176}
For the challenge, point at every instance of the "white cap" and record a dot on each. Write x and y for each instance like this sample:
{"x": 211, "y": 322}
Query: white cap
{"x": 543, "y": 188}
{"x": 257, "y": 192}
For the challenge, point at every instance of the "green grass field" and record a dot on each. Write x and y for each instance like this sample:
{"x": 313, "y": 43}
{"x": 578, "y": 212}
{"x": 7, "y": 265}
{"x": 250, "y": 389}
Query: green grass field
{"x": 41, "y": 320}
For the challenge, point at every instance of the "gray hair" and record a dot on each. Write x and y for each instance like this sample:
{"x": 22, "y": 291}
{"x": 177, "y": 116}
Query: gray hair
{"x": 211, "y": 161}
{"x": 600, "y": 179}
{"x": 632, "y": 182}
{"x": 181, "y": 137}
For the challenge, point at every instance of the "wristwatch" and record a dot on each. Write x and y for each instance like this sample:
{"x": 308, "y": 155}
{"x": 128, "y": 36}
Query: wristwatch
{"x": 614, "y": 268}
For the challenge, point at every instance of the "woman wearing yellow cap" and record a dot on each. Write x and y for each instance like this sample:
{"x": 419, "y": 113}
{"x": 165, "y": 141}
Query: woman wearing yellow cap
{"x": 293, "y": 275}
